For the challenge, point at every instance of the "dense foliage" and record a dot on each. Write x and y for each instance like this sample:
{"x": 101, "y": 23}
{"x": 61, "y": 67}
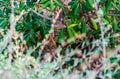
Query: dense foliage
{"x": 59, "y": 39}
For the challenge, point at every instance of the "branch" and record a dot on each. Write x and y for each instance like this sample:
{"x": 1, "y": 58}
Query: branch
{"x": 43, "y": 16}
{"x": 113, "y": 14}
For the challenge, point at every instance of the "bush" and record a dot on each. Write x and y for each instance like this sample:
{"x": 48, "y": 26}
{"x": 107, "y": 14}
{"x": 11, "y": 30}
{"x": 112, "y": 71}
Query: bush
{"x": 59, "y": 39}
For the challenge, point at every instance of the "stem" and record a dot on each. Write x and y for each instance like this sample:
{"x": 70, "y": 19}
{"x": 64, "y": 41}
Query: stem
{"x": 102, "y": 37}
{"x": 101, "y": 28}
{"x": 102, "y": 34}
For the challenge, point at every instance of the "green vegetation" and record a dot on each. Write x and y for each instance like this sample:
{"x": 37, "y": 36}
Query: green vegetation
{"x": 59, "y": 39}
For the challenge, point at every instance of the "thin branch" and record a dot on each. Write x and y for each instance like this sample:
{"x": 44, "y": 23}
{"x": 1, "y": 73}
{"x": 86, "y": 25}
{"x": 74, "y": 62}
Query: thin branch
{"x": 51, "y": 32}
{"x": 43, "y": 16}
{"x": 12, "y": 21}
{"x": 101, "y": 27}
{"x": 113, "y": 14}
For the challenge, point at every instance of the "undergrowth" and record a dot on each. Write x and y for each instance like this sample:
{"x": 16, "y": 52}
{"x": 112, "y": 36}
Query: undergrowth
{"x": 59, "y": 39}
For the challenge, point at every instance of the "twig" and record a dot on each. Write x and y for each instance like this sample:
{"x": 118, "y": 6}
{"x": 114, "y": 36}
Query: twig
{"x": 43, "y": 16}
{"x": 102, "y": 33}
{"x": 101, "y": 28}
{"x": 113, "y": 14}
{"x": 8, "y": 38}
{"x": 12, "y": 21}
{"x": 51, "y": 32}
{"x": 56, "y": 17}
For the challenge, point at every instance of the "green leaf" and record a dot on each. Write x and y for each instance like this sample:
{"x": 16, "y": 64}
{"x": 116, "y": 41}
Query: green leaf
{"x": 33, "y": 40}
{"x": 36, "y": 7}
{"x": 1, "y": 13}
{"x": 108, "y": 5}
{"x": 43, "y": 1}
{"x": 112, "y": 41}
{"x": 103, "y": 10}
{"x": 90, "y": 2}
{"x": 58, "y": 3}
{"x": 84, "y": 27}
{"x": 46, "y": 5}
{"x": 27, "y": 38}
{"x": 70, "y": 34}
{"x": 3, "y": 23}
{"x": 84, "y": 7}
{"x": 105, "y": 21}
{"x": 71, "y": 3}
{"x": 52, "y": 6}
{"x": 76, "y": 10}
{"x": 73, "y": 32}
{"x": 72, "y": 25}
{"x": 95, "y": 26}
{"x": 61, "y": 36}
{"x": 22, "y": 5}
{"x": 114, "y": 24}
